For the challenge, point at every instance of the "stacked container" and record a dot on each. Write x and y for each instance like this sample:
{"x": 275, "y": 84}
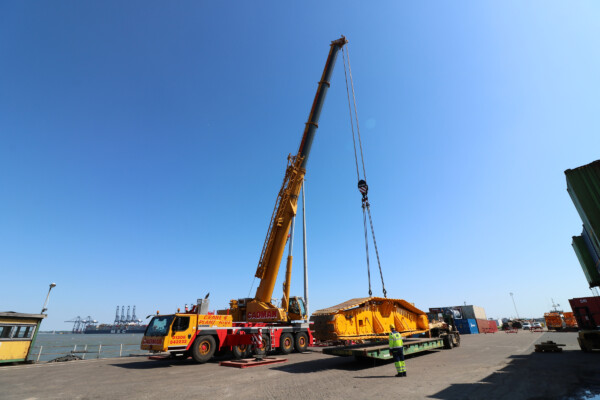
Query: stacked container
{"x": 469, "y": 319}
{"x": 487, "y": 326}
{"x": 454, "y": 311}
{"x": 586, "y": 311}
{"x": 586, "y": 260}
{"x": 466, "y": 326}
{"x": 472, "y": 312}
{"x": 583, "y": 185}
{"x": 594, "y": 252}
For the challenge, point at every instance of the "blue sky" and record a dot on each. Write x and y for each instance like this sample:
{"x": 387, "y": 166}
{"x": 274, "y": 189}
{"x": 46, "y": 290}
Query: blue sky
{"x": 142, "y": 146}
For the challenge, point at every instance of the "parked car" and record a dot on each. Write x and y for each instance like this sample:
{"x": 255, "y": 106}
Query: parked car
{"x": 537, "y": 325}
{"x": 526, "y": 326}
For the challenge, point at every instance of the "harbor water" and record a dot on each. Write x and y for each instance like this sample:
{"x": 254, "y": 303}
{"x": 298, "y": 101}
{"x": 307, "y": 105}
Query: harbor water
{"x": 87, "y": 347}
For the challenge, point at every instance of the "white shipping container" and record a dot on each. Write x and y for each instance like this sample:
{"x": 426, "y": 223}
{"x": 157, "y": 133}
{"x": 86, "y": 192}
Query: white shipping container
{"x": 479, "y": 312}
{"x": 473, "y": 312}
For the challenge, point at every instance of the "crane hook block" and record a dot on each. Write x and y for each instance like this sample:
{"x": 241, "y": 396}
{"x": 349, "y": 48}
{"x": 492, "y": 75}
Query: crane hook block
{"x": 363, "y": 188}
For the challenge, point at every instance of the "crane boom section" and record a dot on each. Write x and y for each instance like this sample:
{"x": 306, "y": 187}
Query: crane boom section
{"x": 287, "y": 198}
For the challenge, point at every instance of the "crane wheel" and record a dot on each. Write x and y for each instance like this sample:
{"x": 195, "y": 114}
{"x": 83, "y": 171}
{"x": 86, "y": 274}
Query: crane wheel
{"x": 286, "y": 343}
{"x": 241, "y": 351}
{"x": 265, "y": 345}
{"x": 301, "y": 342}
{"x": 203, "y": 348}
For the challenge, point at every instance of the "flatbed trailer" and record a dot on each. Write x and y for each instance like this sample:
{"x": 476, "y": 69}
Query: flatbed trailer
{"x": 381, "y": 350}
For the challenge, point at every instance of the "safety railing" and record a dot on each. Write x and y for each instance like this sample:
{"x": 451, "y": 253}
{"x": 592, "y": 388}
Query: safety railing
{"x": 86, "y": 352}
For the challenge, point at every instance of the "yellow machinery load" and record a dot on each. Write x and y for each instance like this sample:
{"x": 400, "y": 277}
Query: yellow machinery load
{"x": 368, "y": 318}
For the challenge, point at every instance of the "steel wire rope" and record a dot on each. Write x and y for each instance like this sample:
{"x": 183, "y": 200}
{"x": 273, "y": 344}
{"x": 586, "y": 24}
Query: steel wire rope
{"x": 362, "y": 158}
{"x": 363, "y": 188}
{"x": 357, "y": 171}
{"x": 350, "y": 112}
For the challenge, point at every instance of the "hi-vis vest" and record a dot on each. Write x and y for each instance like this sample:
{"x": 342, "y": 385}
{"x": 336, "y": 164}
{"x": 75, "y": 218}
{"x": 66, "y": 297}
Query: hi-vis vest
{"x": 395, "y": 340}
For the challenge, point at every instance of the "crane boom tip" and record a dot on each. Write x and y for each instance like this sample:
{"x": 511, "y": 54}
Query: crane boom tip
{"x": 340, "y": 42}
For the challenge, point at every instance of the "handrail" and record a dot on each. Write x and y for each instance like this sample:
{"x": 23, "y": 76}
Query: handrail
{"x": 99, "y": 350}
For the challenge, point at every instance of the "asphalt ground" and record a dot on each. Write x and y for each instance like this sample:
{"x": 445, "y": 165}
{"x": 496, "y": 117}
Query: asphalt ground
{"x": 493, "y": 366}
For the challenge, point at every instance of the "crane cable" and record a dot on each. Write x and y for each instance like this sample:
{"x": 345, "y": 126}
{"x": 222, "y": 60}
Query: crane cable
{"x": 362, "y": 183}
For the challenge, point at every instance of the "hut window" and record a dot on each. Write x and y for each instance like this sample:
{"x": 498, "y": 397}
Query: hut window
{"x": 5, "y": 332}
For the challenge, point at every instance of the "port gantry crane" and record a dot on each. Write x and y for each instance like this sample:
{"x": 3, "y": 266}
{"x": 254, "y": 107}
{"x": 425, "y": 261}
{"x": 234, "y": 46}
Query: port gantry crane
{"x": 261, "y": 308}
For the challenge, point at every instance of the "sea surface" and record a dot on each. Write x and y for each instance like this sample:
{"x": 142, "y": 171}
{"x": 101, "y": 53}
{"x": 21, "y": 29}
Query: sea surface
{"x": 90, "y": 346}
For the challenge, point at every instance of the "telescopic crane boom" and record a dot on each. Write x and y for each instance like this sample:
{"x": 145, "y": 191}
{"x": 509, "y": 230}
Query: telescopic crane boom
{"x": 260, "y": 308}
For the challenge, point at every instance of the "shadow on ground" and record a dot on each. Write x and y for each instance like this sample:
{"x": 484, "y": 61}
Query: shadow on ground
{"x": 165, "y": 363}
{"x": 341, "y": 363}
{"x": 550, "y": 376}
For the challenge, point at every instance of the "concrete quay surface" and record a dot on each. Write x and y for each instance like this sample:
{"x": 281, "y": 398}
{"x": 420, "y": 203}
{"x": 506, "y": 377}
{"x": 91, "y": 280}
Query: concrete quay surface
{"x": 493, "y": 366}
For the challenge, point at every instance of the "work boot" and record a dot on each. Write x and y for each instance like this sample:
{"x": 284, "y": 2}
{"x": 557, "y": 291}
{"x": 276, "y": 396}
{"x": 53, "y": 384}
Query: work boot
{"x": 404, "y": 374}
{"x": 399, "y": 375}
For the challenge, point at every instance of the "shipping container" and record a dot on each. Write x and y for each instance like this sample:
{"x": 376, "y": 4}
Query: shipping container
{"x": 486, "y": 326}
{"x": 466, "y": 326}
{"x": 586, "y": 311}
{"x": 583, "y": 185}
{"x": 454, "y": 311}
{"x": 587, "y": 263}
{"x": 594, "y": 252}
{"x": 472, "y": 312}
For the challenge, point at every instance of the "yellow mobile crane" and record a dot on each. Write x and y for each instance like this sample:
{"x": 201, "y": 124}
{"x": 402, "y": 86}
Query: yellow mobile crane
{"x": 253, "y": 324}
{"x": 260, "y": 308}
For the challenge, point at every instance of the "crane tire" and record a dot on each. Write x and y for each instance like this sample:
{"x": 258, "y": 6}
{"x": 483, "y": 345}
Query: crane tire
{"x": 241, "y": 351}
{"x": 286, "y": 343}
{"x": 203, "y": 348}
{"x": 266, "y": 345}
{"x": 301, "y": 342}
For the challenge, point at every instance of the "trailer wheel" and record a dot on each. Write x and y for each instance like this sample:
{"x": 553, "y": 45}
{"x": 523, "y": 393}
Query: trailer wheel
{"x": 240, "y": 351}
{"x": 203, "y": 348}
{"x": 286, "y": 343}
{"x": 265, "y": 346}
{"x": 301, "y": 342}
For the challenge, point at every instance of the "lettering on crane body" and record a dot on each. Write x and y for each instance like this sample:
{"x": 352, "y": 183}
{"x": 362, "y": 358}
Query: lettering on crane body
{"x": 215, "y": 320}
{"x": 268, "y": 314}
{"x": 152, "y": 340}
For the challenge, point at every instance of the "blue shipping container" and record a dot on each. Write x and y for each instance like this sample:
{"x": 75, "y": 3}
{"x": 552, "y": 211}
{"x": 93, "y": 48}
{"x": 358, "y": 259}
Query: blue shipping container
{"x": 466, "y": 326}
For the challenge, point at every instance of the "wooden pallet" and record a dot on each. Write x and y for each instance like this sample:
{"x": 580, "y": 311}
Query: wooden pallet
{"x": 252, "y": 362}
{"x": 548, "y": 347}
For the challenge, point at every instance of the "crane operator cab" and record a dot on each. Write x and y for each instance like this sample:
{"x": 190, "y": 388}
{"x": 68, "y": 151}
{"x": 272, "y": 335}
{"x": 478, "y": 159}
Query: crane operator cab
{"x": 297, "y": 309}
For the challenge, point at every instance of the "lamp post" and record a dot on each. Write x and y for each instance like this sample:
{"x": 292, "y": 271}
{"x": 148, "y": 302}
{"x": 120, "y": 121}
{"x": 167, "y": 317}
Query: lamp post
{"x": 514, "y": 304}
{"x": 47, "y": 297}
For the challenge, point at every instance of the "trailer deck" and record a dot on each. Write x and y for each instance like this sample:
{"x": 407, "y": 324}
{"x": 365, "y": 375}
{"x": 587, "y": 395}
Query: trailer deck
{"x": 380, "y": 350}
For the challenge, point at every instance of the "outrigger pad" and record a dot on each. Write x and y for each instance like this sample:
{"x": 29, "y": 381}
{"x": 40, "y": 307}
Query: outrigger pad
{"x": 252, "y": 362}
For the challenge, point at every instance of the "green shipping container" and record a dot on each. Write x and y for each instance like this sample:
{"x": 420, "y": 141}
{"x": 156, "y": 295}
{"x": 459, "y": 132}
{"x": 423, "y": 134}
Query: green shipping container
{"x": 583, "y": 185}
{"x": 586, "y": 261}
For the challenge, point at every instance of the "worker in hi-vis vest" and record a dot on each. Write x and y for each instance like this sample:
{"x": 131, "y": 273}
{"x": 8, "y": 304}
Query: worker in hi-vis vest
{"x": 397, "y": 350}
